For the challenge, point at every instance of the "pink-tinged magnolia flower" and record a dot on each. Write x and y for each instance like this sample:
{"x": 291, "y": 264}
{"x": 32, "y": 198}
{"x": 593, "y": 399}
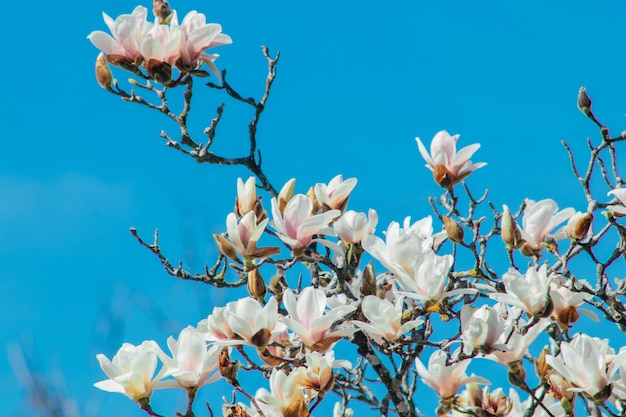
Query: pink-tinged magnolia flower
{"x": 540, "y": 219}
{"x": 191, "y": 363}
{"x": 565, "y": 303}
{"x": 245, "y": 233}
{"x": 128, "y": 31}
{"x": 352, "y": 227}
{"x": 296, "y": 226}
{"x": 250, "y": 321}
{"x": 197, "y": 37}
{"x": 247, "y": 199}
{"x": 215, "y": 327}
{"x": 449, "y": 166}
{"x": 528, "y": 292}
{"x": 131, "y": 371}
{"x": 618, "y": 209}
{"x": 385, "y": 319}
{"x": 335, "y": 195}
{"x": 484, "y": 402}
{"x": 310, "y": 320}
{"x": 516, "y": 343}
{"x": 400, "y": 253}
{"x": 483, "y": 328}
{"x": 162, "y": 43}
{"x": 585, "y": 363}
{"x": 443, "y": 378}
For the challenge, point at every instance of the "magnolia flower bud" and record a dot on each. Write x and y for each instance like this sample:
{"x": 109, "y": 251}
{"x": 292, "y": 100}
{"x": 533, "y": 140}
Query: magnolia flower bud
{"x": 368, "y": 284}
{"x": 541, "y": 366}
{"x": 285, "y": 195}
{"x": 104, "y": 77}
{"x": 162, "y": 10}
{"x": 236, "y": 410}
{"x": 578, "y": 225}
{"x": 256, "y": 285}
{"x": 226, "y": 248}
{"x": 313, "y": 198}
{"x": 584, "y": 102}
{"x": 227, "y": 368}
{"x": 517, "y": 375}
{"x": 453, "y": 229}
{"x": 511, "y": 234}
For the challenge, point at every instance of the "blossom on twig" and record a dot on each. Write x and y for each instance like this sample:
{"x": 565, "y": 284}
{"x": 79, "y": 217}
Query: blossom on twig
{"x": 131, "y": 371}
{"x": 449, "y": 166}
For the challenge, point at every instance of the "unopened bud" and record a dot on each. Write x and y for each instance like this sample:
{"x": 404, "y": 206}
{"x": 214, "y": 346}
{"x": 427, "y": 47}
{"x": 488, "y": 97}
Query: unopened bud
{"x": 236, "y": 410}
{"x": 104, "y": 77}
{"x": 453, "y": 229}
{"x": 368, "y": 284}
{"x": 226, "y": 248}
{"x": 256, "y": 285}
{"x": 578, "y": 225}
{"x": 517, "y": 375}
{"x": 162, "y": 10}
{"x": 285, "y": 195}
{"x": 511, "y": 234}
{"x": 541, "y": 365}
{"x": 227, "y": 368}
{"x": 584, "y": 102}
{"x": 313, "y": 198}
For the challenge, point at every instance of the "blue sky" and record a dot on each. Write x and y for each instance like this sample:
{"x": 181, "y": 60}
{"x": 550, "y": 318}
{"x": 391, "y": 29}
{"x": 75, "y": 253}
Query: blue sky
{"x": 357, "y": 82}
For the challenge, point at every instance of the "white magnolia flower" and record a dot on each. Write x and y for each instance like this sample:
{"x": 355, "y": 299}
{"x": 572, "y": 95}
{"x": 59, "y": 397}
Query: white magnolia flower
{"x": 404, "y": 247}
{"x": 618, "y": 209}
{"x": 215, "y": 327}
{"x": 127, "y": 32}
{"x": 586, "y": 364}
{"x": 449, "y": 166}
{"x": 352, "y": 227}
{"x": 296, "y": 226}
{"x": 335, "y": 195}
{"x": 310, "y": 320}
{"x": 482, "y": 329}
{"x": 516, "y": 343}
{"x": 246, "y": 200}
{"x": 251, "y": 323}
{"x": 443, "y": 378}
{"x": 131, "y": 371}
{"x": 539, "y": 221}
{"x": 385, "y": 319}
{"x": 245, "y": 234}
{"x": 528, "y": 292}
{"x": 285, "y": 392}
{"x": 191, "y": 363}
{"x": 198, "y": 35}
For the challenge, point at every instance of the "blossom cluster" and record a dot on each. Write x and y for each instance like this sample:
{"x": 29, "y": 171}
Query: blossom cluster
{"x": 160, "y": 45}
{"x": 290, "y": 336}
{"x": 295, "y": 333}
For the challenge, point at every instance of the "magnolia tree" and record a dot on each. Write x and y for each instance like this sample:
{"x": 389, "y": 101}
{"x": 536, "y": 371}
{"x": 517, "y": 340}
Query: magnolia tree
{"x": 335, "y": 307}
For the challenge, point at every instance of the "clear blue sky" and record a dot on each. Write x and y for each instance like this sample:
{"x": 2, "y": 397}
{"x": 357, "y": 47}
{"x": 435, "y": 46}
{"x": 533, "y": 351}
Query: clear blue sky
{"x": 357, "y": 82}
